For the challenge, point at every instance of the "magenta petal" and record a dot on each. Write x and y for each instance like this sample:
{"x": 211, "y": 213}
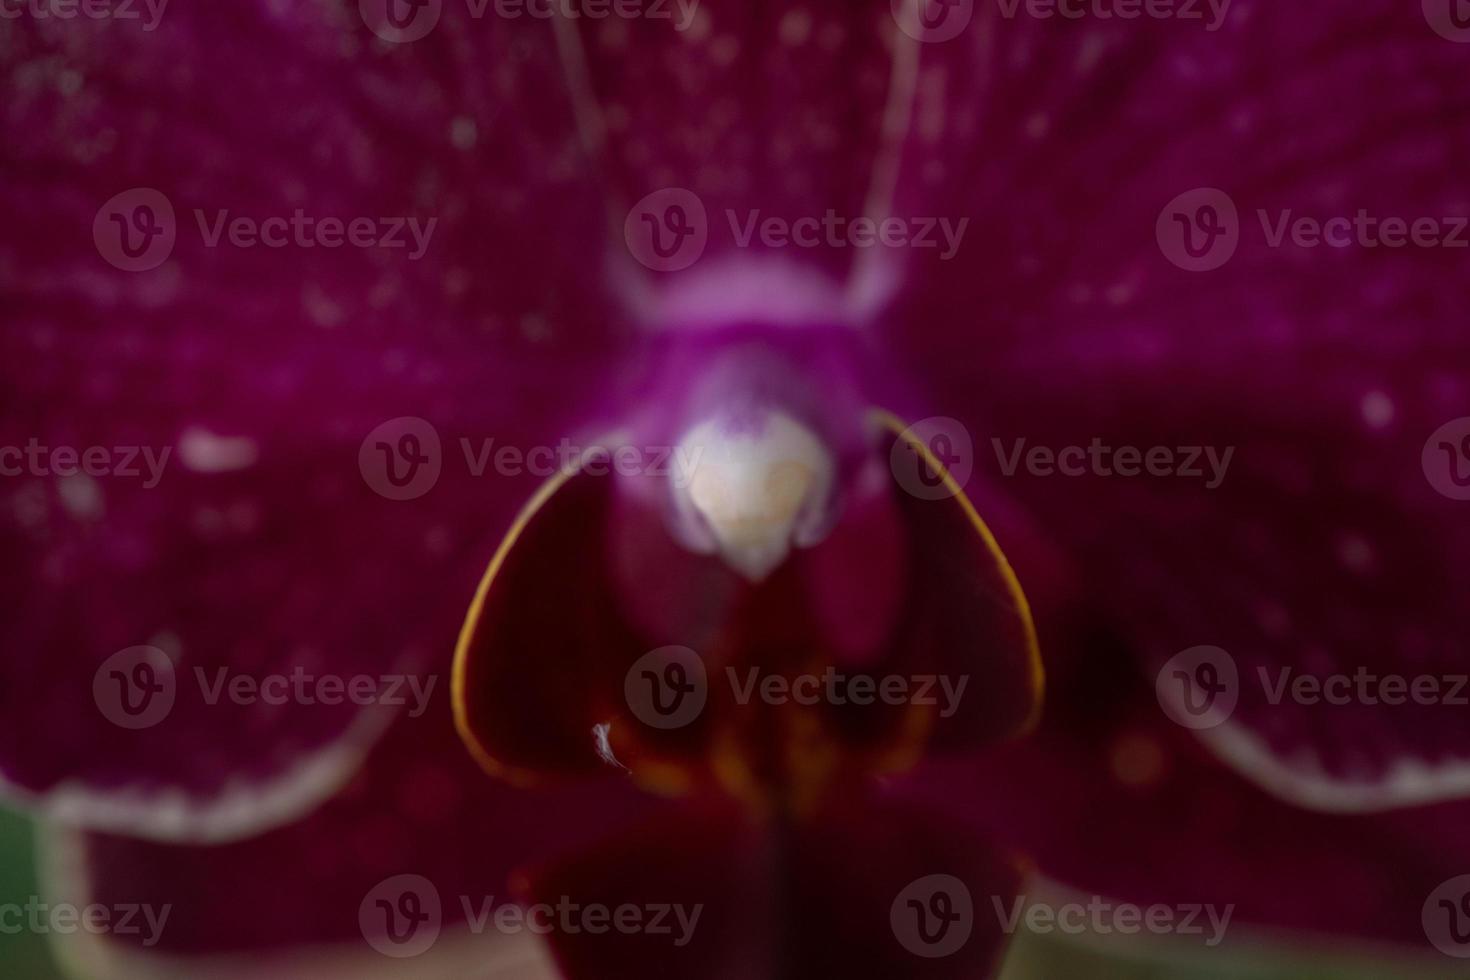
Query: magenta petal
{"x": 306, "y": 894}
{"x": 263, "y": 546}
{"x": 1063, "y": 142}
{"x": 1324, "y": 568}
{"x": 1167, "y": 823}
{"x": 737, "y": 113}
{"x": 1322, "y": 549}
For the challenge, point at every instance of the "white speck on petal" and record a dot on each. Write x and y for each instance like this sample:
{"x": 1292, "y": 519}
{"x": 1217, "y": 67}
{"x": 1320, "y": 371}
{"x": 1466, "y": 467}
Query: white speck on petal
{"x": 204, "y": 452}
{"x": 1355, "y": 553}
{"x": 81, "y": 496}
{"x": 795, "y": 27}
{"x": 463, "y": 133}
{"x": 1378, "y": 409}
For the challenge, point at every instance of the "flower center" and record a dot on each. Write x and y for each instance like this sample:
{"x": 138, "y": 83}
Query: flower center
{"x": 753, "y": 490}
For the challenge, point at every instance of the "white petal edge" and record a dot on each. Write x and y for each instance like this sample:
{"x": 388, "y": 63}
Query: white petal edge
{"x": 240, "y": 810}
{"x": 1407, "y": 783}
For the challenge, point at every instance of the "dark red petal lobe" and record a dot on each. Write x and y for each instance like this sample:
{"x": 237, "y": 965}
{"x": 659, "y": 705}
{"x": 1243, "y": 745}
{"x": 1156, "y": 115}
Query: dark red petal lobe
{"x": 294, "y": 897}
{"x": 838, "y": 896}
{"x": 1166, "y": 822}
{"x": 966, "y": 618}
{"x": 545, "y": 645}
{"x": 1325, "y": 549}
{"x": 262, "y": 548}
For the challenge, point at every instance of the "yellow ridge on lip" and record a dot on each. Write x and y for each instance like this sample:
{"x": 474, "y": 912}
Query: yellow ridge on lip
{"x": 890, "y": 422}
{"x": 458, "y": 678}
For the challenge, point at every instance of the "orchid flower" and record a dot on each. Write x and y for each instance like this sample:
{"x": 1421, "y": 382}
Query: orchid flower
{"x": 835, "y": 472}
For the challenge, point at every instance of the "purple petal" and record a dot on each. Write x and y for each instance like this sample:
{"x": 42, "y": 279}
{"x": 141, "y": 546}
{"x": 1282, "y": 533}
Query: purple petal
{"x": 420, "y": 817}
{"x": 1166, "y": 823}
{"x": 263, "y": 544}
{"x": 736, "y": 113}
{"x": 1320, "y": 547}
